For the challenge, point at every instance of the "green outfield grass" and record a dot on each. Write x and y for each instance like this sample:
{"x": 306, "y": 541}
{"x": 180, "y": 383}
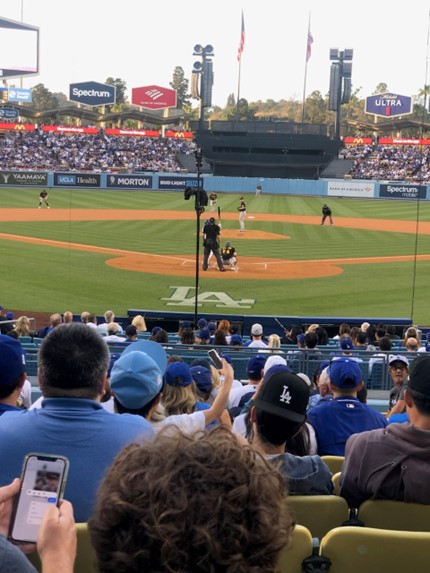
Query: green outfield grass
{"x": 48, "y": 279}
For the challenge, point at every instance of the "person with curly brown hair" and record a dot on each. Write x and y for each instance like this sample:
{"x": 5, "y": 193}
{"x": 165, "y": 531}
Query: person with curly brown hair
{"x": 190, "y": 503}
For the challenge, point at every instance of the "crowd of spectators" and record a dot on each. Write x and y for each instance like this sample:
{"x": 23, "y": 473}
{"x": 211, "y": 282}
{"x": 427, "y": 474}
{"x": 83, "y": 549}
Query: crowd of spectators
{"x": 101, "y": 153}
{"x": 86, "y": 152}
{"x": 389, "y": 162}
{"x": 161, "y": 435}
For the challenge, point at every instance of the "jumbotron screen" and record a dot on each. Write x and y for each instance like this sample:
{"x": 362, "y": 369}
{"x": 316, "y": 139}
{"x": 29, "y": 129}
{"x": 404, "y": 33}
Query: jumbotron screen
{"x": 19, "y": 52}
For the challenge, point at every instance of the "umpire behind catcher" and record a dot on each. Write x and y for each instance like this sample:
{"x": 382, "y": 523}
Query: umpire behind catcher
{"x": 211, "y": 234}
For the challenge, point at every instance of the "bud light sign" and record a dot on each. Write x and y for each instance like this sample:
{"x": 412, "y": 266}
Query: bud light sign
{"x": 92, "y": 93}
{"x": 388, "y": 105}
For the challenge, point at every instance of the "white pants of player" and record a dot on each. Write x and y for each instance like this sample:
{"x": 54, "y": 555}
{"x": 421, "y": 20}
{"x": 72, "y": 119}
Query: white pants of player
{"x": 212, "y": 203}
{"x": 242, "y": 216}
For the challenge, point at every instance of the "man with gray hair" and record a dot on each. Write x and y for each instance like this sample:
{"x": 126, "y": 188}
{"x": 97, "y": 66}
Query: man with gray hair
{"x": 73, "y": 365}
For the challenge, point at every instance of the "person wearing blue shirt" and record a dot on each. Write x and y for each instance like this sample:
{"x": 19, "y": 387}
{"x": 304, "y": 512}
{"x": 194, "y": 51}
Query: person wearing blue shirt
{"x": 12, "y": 373}
{"x": 73, "y": 363}
{"x": 335, "y": 420}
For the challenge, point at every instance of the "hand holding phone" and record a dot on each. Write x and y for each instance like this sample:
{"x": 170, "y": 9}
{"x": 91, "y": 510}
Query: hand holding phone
{"x": 216, "y": 358}
{"x": 43, "y": 479}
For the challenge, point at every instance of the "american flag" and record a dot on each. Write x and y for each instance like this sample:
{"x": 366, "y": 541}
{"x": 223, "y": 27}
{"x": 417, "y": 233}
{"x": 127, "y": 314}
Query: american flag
{"x": 309, "y": 46}
{"x": 242, "y": 40}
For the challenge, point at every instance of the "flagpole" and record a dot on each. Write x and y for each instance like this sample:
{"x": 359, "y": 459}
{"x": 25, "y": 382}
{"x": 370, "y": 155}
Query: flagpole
{"x": 309, "y": 41}
{"x": 238, "y": 91}
{"x": 239, "y": 59}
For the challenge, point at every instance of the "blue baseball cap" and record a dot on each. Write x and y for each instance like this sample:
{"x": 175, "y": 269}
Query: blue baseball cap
{"x": 135, "y": 380}
{"x": 12, "y": 359}
{"x": 255, "y": 366}
{"x": 202, "y": 377}
{"x": 346, "y": 344}
{"x": 178, "y": 374}
{"x": 345, "y": 373}
{"x": 137, "y": 375}
{"x": 236, "y": 339}
{"x": 202, "y": 323}
{"x": 204, "y": 334}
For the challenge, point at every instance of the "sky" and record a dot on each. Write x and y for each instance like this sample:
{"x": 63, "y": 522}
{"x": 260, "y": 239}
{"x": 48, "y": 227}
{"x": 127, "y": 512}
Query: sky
{"x": 142, "y": 42}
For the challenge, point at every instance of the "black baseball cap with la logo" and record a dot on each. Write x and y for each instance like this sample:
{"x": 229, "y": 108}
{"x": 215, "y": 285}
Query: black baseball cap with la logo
{"x": 283, "y": 394}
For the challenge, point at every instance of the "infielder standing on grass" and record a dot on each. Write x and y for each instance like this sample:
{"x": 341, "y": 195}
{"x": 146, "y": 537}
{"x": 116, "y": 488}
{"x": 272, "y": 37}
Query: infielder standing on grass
{"x": 242, "y": 214}
{"x": 43, "y": 198}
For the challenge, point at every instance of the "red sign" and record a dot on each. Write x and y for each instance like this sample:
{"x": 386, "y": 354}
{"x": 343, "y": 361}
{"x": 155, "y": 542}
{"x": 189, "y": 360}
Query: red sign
{"x": 141, "y": 132}
{"x": 180, "y": 134}
{"x": 153, "y": 97}
{"x": 69, "y": 129}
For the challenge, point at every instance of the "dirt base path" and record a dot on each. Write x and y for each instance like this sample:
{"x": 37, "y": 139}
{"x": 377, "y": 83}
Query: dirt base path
{"x": 182, "y": 265}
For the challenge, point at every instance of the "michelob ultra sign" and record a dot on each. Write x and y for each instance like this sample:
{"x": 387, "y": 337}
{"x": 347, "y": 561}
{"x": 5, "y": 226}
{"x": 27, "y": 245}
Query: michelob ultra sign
{"x": 388, "y": 105}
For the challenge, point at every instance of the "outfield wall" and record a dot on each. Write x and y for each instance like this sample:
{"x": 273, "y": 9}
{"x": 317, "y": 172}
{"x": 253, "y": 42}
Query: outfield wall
{"x": 171, "y": 181}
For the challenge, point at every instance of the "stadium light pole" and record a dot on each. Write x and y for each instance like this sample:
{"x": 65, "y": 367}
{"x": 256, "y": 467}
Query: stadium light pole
{"x": 199, "y": 211}
{"x": 203, "y": 70}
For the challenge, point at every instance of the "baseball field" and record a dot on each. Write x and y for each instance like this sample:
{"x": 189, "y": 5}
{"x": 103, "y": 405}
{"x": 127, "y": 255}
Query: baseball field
{"x": 94, "y": 250}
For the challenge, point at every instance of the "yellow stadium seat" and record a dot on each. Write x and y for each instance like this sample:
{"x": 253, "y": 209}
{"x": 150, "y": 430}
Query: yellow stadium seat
{"x": 319, "y": 513}
{"x": 386, "y": 514}
{"x": 85, "y": 556}
{"x": 334, "y": 463}
{"x": 299, "y": 548}
{"x": 364, "y": 549}
{"x": 335, "y": 479}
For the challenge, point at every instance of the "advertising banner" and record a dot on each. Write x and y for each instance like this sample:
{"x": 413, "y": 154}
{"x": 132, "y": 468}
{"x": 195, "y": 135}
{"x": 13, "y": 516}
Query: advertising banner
{"x": 402, "y": 191}
{"x": 23, "y": 178}
{"x": 129, "y": 181}
{"x": 92, "y": 93}
{"x": 350, "y": 189}
{"x": 8, "y": 113}
{"x": 388, "y": 105}
{"x": 177, "y": 182}
{"x": 76, "y": 180}
{"x": 19, "y": 94}
{"x": 153, "y": 97}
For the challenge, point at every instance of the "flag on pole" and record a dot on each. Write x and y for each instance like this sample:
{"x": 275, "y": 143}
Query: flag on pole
{"x": 242, "y": 40}
{"x": 309, "y": 46}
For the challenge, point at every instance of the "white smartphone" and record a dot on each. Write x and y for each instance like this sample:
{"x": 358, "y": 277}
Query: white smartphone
{"x": 216, "y": 358}
{"x": 43, "y": 479}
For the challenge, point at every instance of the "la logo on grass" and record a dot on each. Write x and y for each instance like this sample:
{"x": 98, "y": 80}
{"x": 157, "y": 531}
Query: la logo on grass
{"x": 184, "y": 296}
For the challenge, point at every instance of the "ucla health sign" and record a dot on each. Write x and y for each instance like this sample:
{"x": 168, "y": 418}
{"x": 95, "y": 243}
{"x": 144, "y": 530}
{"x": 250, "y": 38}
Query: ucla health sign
{"x": 92, "y": 93}
{"x": 388, "y": 105}
{"x": 76, "y": 180}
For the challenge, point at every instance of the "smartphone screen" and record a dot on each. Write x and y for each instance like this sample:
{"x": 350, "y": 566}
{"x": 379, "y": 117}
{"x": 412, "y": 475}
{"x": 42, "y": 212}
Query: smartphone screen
{"x": 215, "y": 357}
{"x": 42, "y": 482}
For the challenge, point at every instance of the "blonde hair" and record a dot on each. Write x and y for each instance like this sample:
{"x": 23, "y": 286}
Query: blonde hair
{"x": 216, "y": 378}
{"x": 313, "y": 327}
{"x": 274, "y": 341}
{"x": 22, "y": 326}
{"x": 139, "y": 322}
{"x": 179, "y": 399}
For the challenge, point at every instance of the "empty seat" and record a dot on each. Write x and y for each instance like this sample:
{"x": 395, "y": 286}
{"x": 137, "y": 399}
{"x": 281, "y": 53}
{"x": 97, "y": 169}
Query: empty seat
{"x": 319, "y": 513}
{"x": 387, "y": 514}
{"x": 363, "y": 549}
